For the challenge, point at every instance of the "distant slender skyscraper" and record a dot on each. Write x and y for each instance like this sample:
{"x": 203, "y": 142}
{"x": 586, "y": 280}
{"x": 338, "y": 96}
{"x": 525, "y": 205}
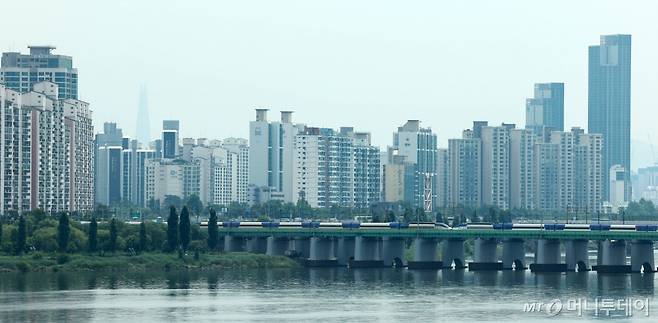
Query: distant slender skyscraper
{"x": 546, "y": 109}
{"x": 610, "y": 102}
{"x": 142, "y": 133}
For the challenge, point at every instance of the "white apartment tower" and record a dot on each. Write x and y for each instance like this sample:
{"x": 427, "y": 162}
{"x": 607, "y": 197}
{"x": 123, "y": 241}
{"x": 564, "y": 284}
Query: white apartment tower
{"x": 47, "y": 145}
{"x": 336, "y": 168}
{"x": 271, "y": 152}
{"x": 522, "y": 179}
{"x": 496, "y": 165}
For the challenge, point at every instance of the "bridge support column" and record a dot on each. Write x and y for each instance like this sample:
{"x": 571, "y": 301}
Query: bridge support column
{"x": 577, "y": 257}
{"x": 513, "y": 254}
{"x": 233, "y": 244}
{"x": 642, "y": 256}
{"x": 613, "y": 257}
{"x": 366, "y": 253}
{"x": 485, "y": 257}
{"x": 322, "y": 253}
{"x": 425, "y": 254}
{"x": 277, "y": 246}
{"x": 302, "y": 247}
{"x": 547, "y": 257}
{"x": 345, "y": 250}
{"x": 453, "y": 251}
{"x": 393, "y": 252}
{"x": 256, "y": 245}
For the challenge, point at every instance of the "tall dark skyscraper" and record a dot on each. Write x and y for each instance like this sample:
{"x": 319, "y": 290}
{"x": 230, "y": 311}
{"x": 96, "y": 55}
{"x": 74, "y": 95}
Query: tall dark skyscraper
{"x": 546, "y": 109}
{"x": 609, "y": 105}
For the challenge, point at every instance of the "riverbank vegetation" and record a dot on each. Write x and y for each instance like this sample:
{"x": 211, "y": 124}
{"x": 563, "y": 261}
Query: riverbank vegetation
{"x": 37, "y": 242}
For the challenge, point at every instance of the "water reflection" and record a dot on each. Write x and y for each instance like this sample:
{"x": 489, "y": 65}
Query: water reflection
{"x": 333, "y": 294}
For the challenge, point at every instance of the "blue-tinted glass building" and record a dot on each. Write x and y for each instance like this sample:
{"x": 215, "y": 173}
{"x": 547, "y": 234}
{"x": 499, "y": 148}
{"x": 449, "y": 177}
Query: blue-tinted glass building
{"x": 546, "y": 109}
{"x": 609, "y": 106}
{"x": 20, "y": 71}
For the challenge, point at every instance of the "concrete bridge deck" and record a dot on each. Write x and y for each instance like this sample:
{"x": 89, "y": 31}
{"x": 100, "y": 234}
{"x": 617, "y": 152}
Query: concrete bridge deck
{"x": 441, "y": 233}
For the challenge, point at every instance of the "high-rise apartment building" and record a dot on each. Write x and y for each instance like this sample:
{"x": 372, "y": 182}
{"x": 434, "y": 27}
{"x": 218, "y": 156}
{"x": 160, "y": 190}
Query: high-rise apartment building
{"x": 442, "y": 171}
{"x": 164, "y": 177}
{"x": 133, "y": 174}
{"x": 419, "y": 147}
{"x": 20, "y": 72}
{"x": 336, "y": 168}
{"x": 580, "y": 171}
{"x": 522, "y": 171}
{"x": 48, "y": 147}
{"x": 496, "y": 165}
{"x": 223, "y": 167}
{"x": 465, "y": 172}
{"x": 271, "y": 152}
{"x": 609, "y": 102}
{"x": 546, "y": 109}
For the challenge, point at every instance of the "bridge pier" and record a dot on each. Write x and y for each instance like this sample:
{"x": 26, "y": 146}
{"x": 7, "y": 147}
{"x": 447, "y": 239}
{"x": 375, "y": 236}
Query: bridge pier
{"x": 277, "y": 246}
{"x": 425, "y": 254}
{"x": 302, "y": 246}
{"x": 513, "y": 254}
{"x": 345, "y": 250}
{"x": 642, "y": 256}
{"x": 256, "y": 245}
{"x": 547, "y": 257}
{"x": 321, "y": 253}
{"x": 393, "y": 252}
{"x": 453, "y": 251}
{"x": 366, "y": 253}
{"x": 233, "y": 244}
{"x": 485, "y": 257}
{"x": 577, "y": 257}
{"x": 613, "y": 257}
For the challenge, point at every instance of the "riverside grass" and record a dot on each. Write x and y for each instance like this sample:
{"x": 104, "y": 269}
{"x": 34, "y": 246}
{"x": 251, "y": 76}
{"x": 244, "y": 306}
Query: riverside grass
{"x": 62, "y": 262}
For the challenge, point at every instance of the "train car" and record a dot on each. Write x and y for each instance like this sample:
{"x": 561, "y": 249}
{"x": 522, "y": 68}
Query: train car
{"x": 646, "y": 227}
{"x": 576, "y": 226}
{"x": 479, "y": 226}
{"x": 330, "y": 225}
{"x": 554, "y": 226}
{"x": 293, "y": 224}
{"x": 622, "y": 227}
{"x": 398, "y": 225}
{"x": 442, "y": 226}
{"x": 377, "y": 225}
{"x": 599, "y": 227}
{"x": 527, "y": 226}
{"x": 270, "y": 224}
{"x": 311, "y": 224}
{"x": 503, "y": 226}
{"x": 350, "y": 224}
{"x": 422, "y": 225}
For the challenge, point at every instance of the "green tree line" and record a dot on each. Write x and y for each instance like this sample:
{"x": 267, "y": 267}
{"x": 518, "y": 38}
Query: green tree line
{"x": 34, "y": 231}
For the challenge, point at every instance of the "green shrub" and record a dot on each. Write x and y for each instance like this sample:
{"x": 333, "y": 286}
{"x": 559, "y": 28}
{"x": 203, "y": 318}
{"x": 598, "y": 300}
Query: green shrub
{"x": 63, "y": 258}
{"x": 23, "y": 266}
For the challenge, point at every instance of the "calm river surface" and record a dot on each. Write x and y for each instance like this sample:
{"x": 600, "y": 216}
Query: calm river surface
{"x": 324, "y": 295}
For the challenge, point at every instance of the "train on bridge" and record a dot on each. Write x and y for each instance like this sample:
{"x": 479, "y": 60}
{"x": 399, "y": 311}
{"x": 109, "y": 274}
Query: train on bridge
{"x": 438, "y": 226}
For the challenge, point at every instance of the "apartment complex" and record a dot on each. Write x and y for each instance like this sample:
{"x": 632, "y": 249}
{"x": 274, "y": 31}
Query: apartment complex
{"x": 47, "y": 145}
{"x": 336, "y": 168}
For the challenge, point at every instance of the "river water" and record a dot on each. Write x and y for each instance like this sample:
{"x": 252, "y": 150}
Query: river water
{"x": 324, "y": 295}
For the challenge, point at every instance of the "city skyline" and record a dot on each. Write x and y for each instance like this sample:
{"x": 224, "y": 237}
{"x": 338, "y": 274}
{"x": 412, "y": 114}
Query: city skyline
{"x": 400, "y": 72}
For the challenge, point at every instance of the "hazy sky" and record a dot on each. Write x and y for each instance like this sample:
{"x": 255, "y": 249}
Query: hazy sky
{"x": 368, "y": 64}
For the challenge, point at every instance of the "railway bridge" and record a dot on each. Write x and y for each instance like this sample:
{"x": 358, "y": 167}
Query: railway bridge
{"x": 504, "y": 248}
